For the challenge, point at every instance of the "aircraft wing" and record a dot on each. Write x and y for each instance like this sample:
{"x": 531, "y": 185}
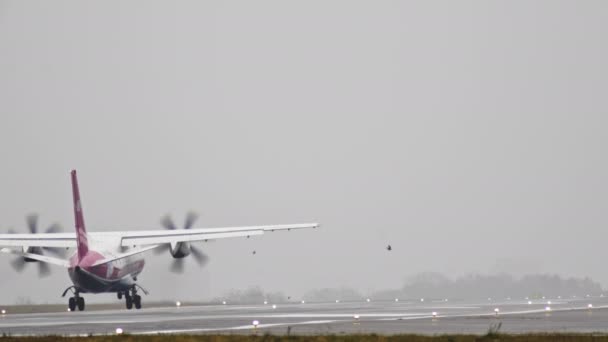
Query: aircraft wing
{"x": 157, "y": 237}
{"x": 59, "y": 240}
{"x": 38, "y": 257}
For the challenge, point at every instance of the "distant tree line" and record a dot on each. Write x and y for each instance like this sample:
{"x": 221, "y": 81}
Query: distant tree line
{"x": 252, "y": 295}
{"x": 499, "y": 286}
{"x": 471, "y": 286}
{"x": 435, "y": 286}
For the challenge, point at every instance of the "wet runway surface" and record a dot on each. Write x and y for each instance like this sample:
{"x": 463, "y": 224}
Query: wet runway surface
{"x": 326, "y": 318}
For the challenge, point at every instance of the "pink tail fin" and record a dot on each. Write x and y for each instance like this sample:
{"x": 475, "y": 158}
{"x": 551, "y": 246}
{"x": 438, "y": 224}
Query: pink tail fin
{"x": 81, "y": 233}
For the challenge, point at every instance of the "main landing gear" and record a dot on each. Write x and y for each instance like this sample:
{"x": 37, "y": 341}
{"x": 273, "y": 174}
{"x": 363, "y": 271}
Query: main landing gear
{"x": 75, "y": 301}
{"x": 131, "y": 298}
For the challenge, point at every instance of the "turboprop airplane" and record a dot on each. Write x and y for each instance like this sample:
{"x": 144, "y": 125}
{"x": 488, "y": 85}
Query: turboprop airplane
{"x": 105, "y": 262}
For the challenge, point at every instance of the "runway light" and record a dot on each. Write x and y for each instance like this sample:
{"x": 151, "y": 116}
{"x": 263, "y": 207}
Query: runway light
{"x": 445, "y": 300}
{"x": 422, "y": 299}
{"x": 255, "y": 323}
{"x": 356, "y": 317}
{"x": 559, "y": 297}
{"x": 265, "y": 302}
{"x": 368, "y": 300}
{"x": 118, "y": 331}
{"x": 224, "y": 302}
{"x": 69, "y": 309}
{"x": 303, "y": 302}
{"x": 178, "y": 304}
{"x": 434, "y": 314}
{"x": 396, "y": 299}
{"x": 3, "y": 312}
{"x": 337, "y": 301}
{"x": 590, "y": 306}
{"x": 496, "y": 311}
{"x": 529, "y": 302}
{"x": 548, "y": 308}
{"x": 549, "y": 302}
{"x": 274, "y": 306}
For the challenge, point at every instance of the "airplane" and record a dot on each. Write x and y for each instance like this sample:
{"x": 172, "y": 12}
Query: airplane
{"x": 110, "y": 262}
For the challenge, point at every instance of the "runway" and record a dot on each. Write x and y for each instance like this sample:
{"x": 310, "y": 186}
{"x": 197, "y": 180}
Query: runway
{"x": 325, "y": 318}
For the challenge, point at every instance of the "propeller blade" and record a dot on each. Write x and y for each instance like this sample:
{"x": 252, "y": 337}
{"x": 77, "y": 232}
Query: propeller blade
{"x": 162, "y": 249}
{"x": 43, "y": 269}
{"x": 18, "y": 264}
{"x": 178, "y": 265}
{"x": 32, "y": 223}
{"x": 167, "y": 222}
{"x": 190, "y": 219}
{"x": 57, "y": 251}
{"x": 201, "y": 258}
{"x": 55, "y": 228}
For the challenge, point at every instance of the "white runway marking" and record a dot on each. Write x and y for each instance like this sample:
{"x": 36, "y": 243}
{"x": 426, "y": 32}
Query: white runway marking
{"x": 242, "y": 327}
{"x": 151, "y": 319}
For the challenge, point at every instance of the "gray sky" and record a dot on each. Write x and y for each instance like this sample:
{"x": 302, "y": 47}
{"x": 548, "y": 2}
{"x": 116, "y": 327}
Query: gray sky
{"x": 470, "y": 135}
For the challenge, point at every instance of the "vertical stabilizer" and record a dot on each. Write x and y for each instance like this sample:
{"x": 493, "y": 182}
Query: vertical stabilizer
{"x": 81, "y": 233}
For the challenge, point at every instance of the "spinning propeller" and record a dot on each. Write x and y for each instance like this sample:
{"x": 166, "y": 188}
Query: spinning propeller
{"x": 43, "y": 268}
{"x": 182, "y": 249}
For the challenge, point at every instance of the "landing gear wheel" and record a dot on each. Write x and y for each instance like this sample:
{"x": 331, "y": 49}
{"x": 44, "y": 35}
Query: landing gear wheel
{"x": 80, "y": 302}
{"x": 72, "y": 303}
{"x": 129, "y": 302}
{"x": 137, "y": 301}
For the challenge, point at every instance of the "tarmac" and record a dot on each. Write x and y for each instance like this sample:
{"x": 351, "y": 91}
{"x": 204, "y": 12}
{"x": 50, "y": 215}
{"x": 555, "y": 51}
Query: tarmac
{"x": 381, "y": 317}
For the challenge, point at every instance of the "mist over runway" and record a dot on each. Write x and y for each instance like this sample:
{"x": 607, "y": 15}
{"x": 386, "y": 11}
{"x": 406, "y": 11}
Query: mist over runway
{"x": 423, "y": 317}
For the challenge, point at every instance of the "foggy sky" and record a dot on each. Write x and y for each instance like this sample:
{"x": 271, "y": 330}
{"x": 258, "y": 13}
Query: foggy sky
{"x": 469, "y": 135}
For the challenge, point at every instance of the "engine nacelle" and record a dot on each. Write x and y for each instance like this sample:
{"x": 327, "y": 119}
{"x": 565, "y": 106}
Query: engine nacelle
{"x": 180, "y": 249}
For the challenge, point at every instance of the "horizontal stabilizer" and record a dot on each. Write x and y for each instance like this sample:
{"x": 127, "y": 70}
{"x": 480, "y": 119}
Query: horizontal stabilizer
{"x": 124, "y": 255}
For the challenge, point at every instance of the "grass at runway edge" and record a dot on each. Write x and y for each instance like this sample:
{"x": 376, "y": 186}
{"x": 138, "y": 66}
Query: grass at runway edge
{"x": 319, "y": 338}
